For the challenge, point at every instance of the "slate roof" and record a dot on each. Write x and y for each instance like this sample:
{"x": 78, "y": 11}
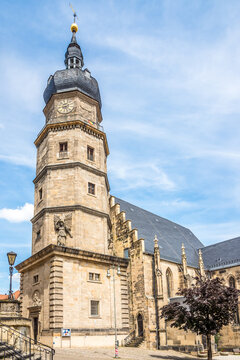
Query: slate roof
{"x": 72, "y": 79}
{"x": 170, "y": 235}
{"x": 223, "y": 254}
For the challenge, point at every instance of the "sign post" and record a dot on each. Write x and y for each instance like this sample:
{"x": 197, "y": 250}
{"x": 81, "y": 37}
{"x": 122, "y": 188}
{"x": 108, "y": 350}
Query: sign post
{"x": 66, "y": 333}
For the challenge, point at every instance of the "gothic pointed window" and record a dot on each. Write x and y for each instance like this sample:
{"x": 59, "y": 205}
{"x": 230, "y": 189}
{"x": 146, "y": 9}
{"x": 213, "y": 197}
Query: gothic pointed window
{"x": 232, "y": 284}
{"x": 169, "y": 282}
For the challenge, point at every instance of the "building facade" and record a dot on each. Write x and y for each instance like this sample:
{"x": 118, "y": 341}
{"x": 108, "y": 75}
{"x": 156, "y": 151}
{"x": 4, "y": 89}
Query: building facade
{"x": 95, "y": 256}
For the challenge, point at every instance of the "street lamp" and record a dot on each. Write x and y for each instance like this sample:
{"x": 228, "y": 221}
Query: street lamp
{"x": 11, "y": 260}
{"x": 114, "y": 302}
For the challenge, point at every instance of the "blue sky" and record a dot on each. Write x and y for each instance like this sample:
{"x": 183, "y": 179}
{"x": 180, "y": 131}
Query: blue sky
{"x": 169, "y": 76}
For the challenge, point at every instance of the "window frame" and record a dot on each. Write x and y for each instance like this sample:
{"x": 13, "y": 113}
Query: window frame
{"x": 63, "y": 147}
{"x": 98, "y": 308}
{"x": 92, "y": 277}
{"x": 91, "y": 188}
{"x": 90, "y": 156}
{"x": 35, "y": 279}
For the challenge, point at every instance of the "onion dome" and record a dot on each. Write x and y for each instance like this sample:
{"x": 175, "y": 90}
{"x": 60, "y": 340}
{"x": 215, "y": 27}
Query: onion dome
{"x": 73, "y": 77}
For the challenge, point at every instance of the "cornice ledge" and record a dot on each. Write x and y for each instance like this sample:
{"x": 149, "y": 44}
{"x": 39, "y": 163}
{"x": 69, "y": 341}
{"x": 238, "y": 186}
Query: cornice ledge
{"x": 71, "y": 165}
{"x": 58, "y": 250}
{"x": 69, "y": 125}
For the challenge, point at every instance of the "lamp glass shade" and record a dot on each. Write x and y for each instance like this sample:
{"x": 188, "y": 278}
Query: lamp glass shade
{"x": 118, "y": 270}
{"x": 11, "y": 257}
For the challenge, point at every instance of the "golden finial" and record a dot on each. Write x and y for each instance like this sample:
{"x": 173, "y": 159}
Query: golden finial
{"x": 74, "y": 27}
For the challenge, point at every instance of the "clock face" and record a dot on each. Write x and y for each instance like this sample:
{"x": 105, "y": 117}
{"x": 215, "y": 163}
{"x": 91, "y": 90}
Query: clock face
{"x": 65, "y": 106}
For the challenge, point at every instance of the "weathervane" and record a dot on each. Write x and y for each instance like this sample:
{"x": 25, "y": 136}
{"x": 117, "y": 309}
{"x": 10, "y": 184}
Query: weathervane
{"x": 74, "y": 13}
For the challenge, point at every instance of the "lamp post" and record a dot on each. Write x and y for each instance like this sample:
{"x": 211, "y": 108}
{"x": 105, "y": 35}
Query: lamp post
{"x": 114, "y": 304}
{"x": 11, "y": 260}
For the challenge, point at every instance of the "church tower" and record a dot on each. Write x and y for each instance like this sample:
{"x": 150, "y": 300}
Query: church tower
{"x": 71, "y": 206}
{"x": 70, "y": 281}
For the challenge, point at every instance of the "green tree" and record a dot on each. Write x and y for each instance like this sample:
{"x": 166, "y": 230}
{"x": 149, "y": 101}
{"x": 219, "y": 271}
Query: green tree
{"x": 207, "y": 307}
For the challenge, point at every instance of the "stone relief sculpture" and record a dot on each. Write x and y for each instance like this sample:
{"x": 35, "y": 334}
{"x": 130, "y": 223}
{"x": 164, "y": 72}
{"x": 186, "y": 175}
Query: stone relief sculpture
{"x": 36, "y": 298}
{"x": 63, "y": 228}
{"x": 86, "y": 111}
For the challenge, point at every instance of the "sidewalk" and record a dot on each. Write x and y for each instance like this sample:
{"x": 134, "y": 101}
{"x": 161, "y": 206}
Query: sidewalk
{"x": 127, "y": 354}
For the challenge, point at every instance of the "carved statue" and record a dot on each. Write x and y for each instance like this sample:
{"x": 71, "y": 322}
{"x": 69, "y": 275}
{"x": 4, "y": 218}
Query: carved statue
{"x": 110, "y": 242}
{"x": 36, "y": 299}
{"x": 63, "y": 228}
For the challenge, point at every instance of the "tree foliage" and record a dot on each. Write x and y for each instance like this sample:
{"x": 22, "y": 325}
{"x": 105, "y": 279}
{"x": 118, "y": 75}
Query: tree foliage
{"x": 207, "y": 307}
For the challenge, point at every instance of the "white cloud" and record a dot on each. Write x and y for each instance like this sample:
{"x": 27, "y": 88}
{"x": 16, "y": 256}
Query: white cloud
{"x": 19, "y": 160}
{"x": 24, "y": 79}
{"x": 23, "y": 213}
{"x": 202, "y": 73}
{"x": 16, "y": 281}
{"x": 133, "y": 174}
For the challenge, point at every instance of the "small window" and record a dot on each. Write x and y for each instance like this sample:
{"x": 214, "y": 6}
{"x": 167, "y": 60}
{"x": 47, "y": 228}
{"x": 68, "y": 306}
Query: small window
{"x": 40, "y": 194}
{"x": 91, "y": 188}
{"x": 63, "y": 147}
{"x": 94, "y": 277}
{"x": 71, "y": 61}
{"x": 35, "y": 279}
{"x": 94, "y": 308}
{"x": 126, "y": 253}
{"x": 38, "y": 237}
{"x": 97, "y": 277}
{"x": 91, "y": 276}
{"x": 90, "y": 153}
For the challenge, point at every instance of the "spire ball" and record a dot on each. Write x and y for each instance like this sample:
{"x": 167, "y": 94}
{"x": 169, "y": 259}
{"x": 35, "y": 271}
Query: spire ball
{"x": 74, "y": 27}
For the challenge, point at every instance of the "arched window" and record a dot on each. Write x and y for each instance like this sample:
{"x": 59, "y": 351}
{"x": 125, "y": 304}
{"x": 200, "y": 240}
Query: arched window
{"x": 232, "y": 282}
{"x": 169, "y": 282}
{"x": 140, "y": 325}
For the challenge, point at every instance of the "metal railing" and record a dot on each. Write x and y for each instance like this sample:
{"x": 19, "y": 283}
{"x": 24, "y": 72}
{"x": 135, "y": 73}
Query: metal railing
{"x": 24, "y": 344}
{"x": 129, "y": 338}
{"x": 7, "y": 352}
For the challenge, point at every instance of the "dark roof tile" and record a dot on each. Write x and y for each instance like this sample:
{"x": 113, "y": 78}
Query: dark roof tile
{"x": 222, "y": 254}
{"x": 170, "y": 235}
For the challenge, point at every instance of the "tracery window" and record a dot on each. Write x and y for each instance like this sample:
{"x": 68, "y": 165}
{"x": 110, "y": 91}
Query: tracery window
{"x": 232, "y": 284}
{"x": 169, "y": 282}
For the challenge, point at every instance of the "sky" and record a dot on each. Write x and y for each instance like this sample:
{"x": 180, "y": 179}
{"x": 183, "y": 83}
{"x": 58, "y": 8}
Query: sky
{"x": 169, "y": 77}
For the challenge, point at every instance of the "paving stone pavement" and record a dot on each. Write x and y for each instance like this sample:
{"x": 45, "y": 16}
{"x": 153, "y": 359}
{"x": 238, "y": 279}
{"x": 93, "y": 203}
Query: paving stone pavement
{"x": 127, "y": 354}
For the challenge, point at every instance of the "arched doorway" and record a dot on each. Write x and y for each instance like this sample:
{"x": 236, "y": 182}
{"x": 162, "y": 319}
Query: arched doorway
{"x": 140, "y": 325}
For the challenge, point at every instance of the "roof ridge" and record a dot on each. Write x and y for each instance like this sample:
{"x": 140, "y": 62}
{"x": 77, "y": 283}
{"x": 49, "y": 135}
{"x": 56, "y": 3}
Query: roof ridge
{"x": 220, "y": 242}
{"x": 150, "y": 212}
